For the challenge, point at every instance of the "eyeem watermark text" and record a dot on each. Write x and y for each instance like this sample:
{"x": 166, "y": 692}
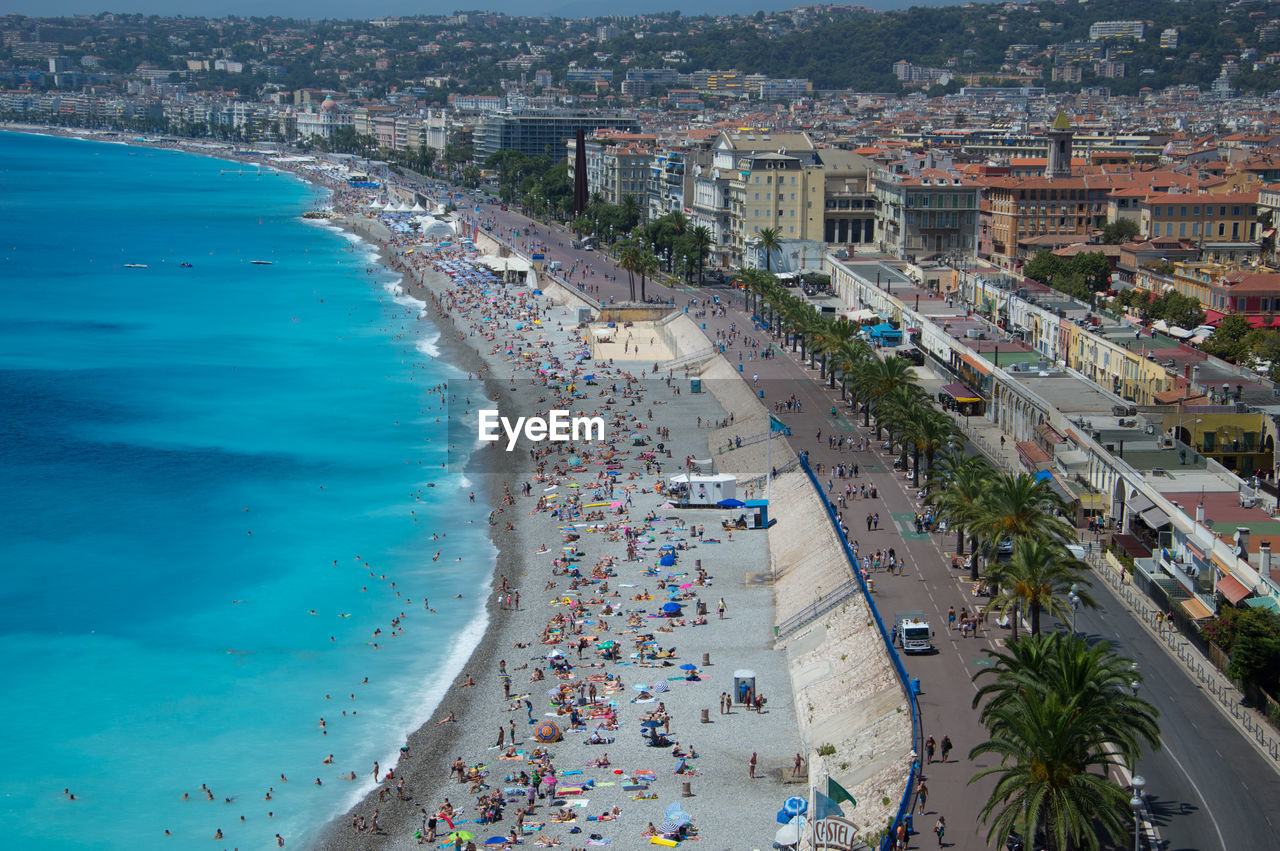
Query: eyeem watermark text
{"x": 557, "y": 426}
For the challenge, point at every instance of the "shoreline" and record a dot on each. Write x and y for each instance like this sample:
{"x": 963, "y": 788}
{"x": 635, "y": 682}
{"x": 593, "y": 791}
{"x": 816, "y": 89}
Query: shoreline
{"x": 426, "y": 743}
{"x": 429, "y": 747}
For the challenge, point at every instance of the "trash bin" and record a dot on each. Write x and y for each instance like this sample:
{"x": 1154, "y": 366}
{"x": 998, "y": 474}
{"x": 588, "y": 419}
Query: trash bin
{"x": 761, "y": 394}
{"x": 907, "y": 821}
{"x": 695, "y": 385}
{"x": 739, "y": 367}
{"x": 915, "y": 685}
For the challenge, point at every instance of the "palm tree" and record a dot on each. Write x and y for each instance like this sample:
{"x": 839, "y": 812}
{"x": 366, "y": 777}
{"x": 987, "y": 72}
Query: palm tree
{"x": 1060, "y": 713}
{"x": 830, "y": 338}
{"x": 631, "y": 212}
{"x": 960, "y": 500}
{"x": 878, "y": 377}
{"x": 629, "y": 259}
{"x": 702, "y": 242}
{"x": 1039, "y": 577}
{"x": 647, "y": 267}
{"x": 768, "y": 240}
{"x": 929, "y": 433}
{"x": 1019, "y": 506}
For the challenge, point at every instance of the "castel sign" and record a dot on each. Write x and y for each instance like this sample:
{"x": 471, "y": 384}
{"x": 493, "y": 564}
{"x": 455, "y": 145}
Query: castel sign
{"x": 836, "y": 833}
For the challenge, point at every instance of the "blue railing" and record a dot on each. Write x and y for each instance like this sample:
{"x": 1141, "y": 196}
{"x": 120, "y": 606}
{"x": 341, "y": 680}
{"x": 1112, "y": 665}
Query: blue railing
{"x": 904, "y": 806}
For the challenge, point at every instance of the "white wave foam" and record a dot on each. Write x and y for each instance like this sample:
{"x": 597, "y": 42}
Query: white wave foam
{"x": 429, "y": 696}
{"x": 427, "y": 345}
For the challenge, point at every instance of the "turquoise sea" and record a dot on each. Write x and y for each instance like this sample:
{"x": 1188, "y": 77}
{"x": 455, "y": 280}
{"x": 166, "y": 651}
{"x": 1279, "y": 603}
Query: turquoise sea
{"x": 212, "y": 477}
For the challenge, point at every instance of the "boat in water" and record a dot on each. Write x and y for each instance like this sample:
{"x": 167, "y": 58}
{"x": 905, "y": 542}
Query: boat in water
{"x": 136, "y": 266}
{"x": 261, "y": 262}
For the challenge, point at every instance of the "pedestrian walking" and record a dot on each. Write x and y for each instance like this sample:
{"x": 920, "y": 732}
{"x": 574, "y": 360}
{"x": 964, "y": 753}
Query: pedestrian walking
{"x": 940, "y": 827}
{"x": 901, "y": 836}
{"x": 751, "y": 767}
{"x": 929, "y": 746}
{"x": 924, "y": 796}
{"x": 797, "y": 765}
{"x": 951, "y": 618}
{"x": 946, "y": 747}
{"x": 720, "y": 608}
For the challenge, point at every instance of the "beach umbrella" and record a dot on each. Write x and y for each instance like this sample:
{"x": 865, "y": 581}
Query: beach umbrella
{"x": 553, "y": 692}
{"x": 465, "y": 836}
{"x": 795, "y": 806}
{"x": 608, "y": 644}
{"x": 650, "y": 723}
{"x": 660, "y": 685}
{"x": 639, "y": 686}
{"x": 671, "y": 608}
{"x": 554, "y": 653}
{"x": 668, "y": 826}
{"x": 688, "y": 666}
{"x": 546, "y": 732}
{"x": 790, "y": 833}
{"x": 667, "y": 560}
{"x": 496, "y": 840}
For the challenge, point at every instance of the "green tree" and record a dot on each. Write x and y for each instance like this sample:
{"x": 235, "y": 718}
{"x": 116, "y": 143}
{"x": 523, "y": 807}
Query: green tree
{"x": 959, "y": 501}
{"x": 1255, "y": 652}
{"x": 1176, "y": 309}
{"x": 1231, "y": 341}
{"x": 1039, "y": 578}
{"x": 702, "y": 241}
{"x": 768, "y": 241}
{"x": 1059, "y": 715}
{"x": 929, "y": 433}
{"x": 1094, "y": 268}
{"x": 1044, "y": 266}
{"x": 1121, "y": 230}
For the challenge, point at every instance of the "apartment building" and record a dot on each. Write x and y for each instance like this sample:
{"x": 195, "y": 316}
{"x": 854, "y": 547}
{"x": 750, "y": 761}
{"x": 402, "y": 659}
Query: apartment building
{"x": 774, "y": 190}
{"x": 1222, "y": 289}
{"x": 720, "y": 181}
{"x": 618, "y": 165}
{"x": 1201, "y": 216}
{"x": 925, "y": 215}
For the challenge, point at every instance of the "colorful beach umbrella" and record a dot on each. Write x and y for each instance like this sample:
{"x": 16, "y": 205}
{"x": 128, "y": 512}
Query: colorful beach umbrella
{"x": 546, "y": 732}
{"x": 464, "y": 835}
{"x": 795, "y": 806}
{"x": 688, "y": 666}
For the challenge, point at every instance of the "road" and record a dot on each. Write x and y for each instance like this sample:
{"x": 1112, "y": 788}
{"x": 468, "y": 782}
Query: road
{"x": 1209, "y": 789}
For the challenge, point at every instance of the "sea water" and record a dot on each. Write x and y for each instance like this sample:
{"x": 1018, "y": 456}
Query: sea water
{"x": 211, "y": 478}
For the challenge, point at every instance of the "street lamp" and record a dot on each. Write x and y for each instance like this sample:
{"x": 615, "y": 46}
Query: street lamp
{"x": 1134, "y": 683}
{"x": 1136, "y": 802}
{"x": 1075, "y": 605}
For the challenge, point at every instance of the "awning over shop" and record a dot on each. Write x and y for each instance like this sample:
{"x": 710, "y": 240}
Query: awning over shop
{"x": 960, "y": 393}
{"x": 1138, "y": 503}
{"x": 1049, "y": 433}
{"x": 978, "y": 364}
{"x": 1264, "y": 603}
{"x": 1230, "y": 587}
{"x": 1196, "y": 609}
{"x": 1155, "y": 518}
{"x": 1032, "y": 455}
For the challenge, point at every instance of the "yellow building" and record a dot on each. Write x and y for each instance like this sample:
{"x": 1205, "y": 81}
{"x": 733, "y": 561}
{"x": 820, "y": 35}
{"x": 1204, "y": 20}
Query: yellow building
{"x": 779, "y": 191}
{"x": 1126, "y": 373}
{"x": 1203, "y": 217}
{"x": 1239, "y": 442}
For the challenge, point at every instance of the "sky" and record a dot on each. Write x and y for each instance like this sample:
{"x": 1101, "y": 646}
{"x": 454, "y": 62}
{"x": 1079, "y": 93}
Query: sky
{"x": 378, "y": 8}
